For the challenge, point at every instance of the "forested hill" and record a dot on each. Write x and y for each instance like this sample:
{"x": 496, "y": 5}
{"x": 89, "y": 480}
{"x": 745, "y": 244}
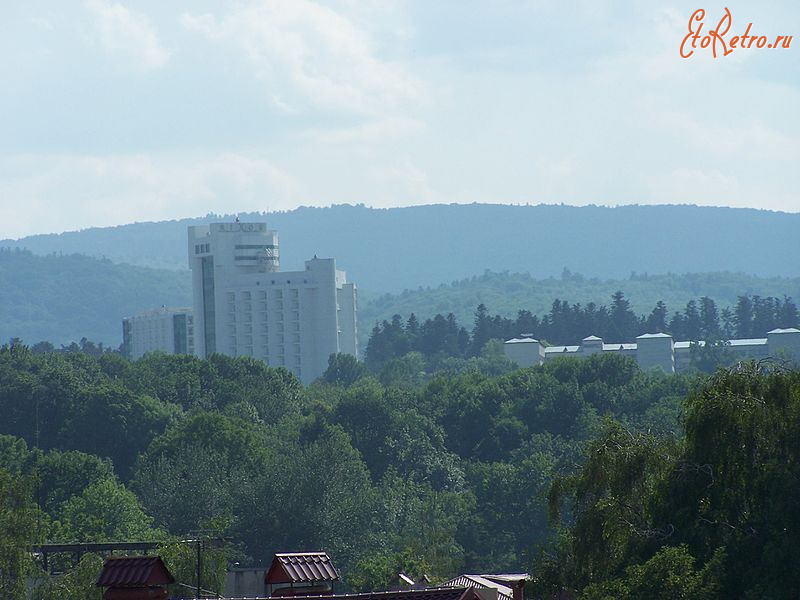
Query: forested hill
{"x": 388, "y": 250}
{"x": 507, "y": 293}
{"x": 61, "y": 299}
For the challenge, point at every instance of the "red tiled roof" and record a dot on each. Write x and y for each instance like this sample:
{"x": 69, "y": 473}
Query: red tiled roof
{"x": 134, "y": 571}
{"x": 301, "y": 567}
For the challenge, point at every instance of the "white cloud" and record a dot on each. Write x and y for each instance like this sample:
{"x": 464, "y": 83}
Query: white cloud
{"x": 377, "y": 131}
{"x": 310, "y": 55}
{"x": 751, "y": 140}
{"x": 715, "y": 187}
{"x": 62, "y": 193}
{"x": 127, "y": 33}
{"x": 401, "y": 184}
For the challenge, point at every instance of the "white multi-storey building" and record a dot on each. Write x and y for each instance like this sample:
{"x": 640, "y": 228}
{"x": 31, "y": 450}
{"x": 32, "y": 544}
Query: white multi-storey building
{"x": 169, "y": 330}
{"x": 246, "y": 306}
{"x": 657, "y": 350}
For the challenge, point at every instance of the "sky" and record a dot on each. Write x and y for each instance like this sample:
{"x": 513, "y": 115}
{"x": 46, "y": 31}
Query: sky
{"x": 115, "y": 112}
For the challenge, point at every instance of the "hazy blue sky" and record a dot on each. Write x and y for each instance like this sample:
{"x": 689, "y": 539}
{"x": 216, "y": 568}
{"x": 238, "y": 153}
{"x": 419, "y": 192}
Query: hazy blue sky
{"x": 112, "y": 112}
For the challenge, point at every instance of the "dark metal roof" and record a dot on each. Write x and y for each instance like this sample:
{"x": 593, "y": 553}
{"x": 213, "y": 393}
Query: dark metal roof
{"x": 435, "y": 593}
{"x": 301, "y": 567}
{"x": 134, "y": 571}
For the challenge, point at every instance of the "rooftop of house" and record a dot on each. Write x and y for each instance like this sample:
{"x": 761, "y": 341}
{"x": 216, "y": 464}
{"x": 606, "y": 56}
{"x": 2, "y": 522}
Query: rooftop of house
{"x": 522, "y": 340}
{"x": 301, "y": 567}
{"x": 503, "y": 591}
{"x": 134, "y": 571}
{"x": 434, "y": 593}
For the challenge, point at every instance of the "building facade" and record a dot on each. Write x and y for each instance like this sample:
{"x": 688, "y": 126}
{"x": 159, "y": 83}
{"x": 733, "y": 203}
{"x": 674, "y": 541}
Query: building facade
{"x": 246, "y": 306}
{"x": 657, "y": 350}
{"x": 169, "y": 330}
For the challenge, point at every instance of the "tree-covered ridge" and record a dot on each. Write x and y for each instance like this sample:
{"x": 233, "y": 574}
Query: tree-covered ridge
{"x": 452, "y": 241}
{"x": 61, "y": 299}
{"x": 508, "y": 293}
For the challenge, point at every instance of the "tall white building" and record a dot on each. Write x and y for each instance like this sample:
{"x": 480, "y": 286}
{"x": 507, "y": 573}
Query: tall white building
{"x": 169, "y": 330}
{"x": 244, "y": 305}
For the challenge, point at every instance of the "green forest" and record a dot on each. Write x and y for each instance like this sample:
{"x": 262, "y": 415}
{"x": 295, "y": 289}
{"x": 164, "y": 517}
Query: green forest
{"x": 590, "y": 474}
{"x": 60, "y": 299}
{"x": 506, "y": 294}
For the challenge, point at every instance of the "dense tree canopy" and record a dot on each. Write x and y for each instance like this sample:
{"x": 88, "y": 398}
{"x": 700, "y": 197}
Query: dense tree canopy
{"x": 440, "y": 466}
{"x": 713, "y": 510}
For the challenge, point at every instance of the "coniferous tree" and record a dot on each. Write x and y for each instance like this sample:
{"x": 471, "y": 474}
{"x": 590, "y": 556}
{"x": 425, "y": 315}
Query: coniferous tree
{"x": 451, "y": 343}
{"x": 709, "y": 319}
{"x": 743, "y": 317}
{"x": 481, "y": 332}
{"x": 692, "y": 321}
{"x": 787, "y": 314}
{"x": 526, "y": 323}
{"x": 677, "y": 326}
{"x": 623, "y": 320}
{"x": 728, "y": 328}
{"x": 657, "y": 321}
{"x": 412, "y": 329}
{"x": 765, "y": 315}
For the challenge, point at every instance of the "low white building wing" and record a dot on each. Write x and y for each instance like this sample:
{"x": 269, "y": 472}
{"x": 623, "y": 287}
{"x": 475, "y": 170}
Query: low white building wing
{"x": 169, "y": 330}
{"x": 656, "y": 350}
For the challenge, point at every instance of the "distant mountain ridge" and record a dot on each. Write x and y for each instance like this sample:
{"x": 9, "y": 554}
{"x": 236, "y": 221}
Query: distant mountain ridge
{"x": 388, "y": 250}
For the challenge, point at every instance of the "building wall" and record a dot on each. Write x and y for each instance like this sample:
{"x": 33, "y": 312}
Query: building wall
{"x": 347, "y": 315}
{"x": 246, "y": 306}
{"x": 526, "y": 352}
{"x": 240, "y": 583}
{"x": 169, "y": 330}
{"x": 784, "y": 344}
{"x": 655, "y": 351}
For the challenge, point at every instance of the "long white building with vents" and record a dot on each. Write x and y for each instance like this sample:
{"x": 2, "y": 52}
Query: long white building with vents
{"x": 244, "y": 305}
{"x": 656, "y": 350}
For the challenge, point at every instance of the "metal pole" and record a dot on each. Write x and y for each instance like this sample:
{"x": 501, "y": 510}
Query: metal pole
{"x": 198, "y": 567}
